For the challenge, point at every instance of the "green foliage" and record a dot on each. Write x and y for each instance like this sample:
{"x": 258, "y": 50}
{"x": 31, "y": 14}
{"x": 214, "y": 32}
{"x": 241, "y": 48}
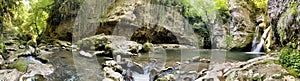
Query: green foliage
{"x": 290, "y": 58}
{"x": 229, "y": 41}
{"x": 28, "y": 18}
{"x": 260, "y": 3}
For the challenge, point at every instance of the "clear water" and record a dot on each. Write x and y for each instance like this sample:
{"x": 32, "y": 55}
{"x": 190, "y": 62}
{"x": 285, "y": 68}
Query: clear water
{"x": 66, "y": 70}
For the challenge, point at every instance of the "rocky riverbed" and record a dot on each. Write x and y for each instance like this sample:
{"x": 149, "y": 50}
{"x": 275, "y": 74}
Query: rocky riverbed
{"x": 113, "y": 58}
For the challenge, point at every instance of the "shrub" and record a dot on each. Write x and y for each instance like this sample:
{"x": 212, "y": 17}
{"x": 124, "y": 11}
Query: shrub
{"x": 290, "y": 58}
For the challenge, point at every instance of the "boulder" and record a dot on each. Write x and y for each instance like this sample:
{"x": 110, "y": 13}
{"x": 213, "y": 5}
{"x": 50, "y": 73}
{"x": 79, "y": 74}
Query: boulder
{"x": 10, "y": 75}
{"x": 110, "y": 73}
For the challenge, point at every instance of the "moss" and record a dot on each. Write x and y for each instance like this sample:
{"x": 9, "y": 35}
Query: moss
{"x": 21, "y": 65}
{"x": 147, "y": 47}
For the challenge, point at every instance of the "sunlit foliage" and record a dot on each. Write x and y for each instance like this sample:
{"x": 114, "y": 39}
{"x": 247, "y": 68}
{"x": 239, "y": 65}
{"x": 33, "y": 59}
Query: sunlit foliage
{"x": 27, "y": 18}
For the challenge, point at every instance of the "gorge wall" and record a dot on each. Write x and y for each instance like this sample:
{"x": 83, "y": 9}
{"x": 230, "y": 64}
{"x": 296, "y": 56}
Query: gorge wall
{"x": 161, "y": 23}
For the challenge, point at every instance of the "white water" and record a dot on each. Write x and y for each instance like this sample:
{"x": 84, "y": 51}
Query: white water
{"x": 258, "y": 46}
{"x": 141, "y": 77}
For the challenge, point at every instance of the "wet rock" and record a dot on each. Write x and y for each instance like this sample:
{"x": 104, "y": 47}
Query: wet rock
{"x": 63, "y": 43}
{"x": 168, "y": 77}
{"x": 113, "y": 65}
{"x": 28, "y": 51}
{"x": 147, "y": 47}
{"x": 86, "y": 54}
{"x": 10, "y": 75}
{"x": 129, "y": 46}
{"x": 107, "y": 79}
{"x": 35, "y": 67}
{"x": 123, "y": 53}
{"x": 110, "y": 63}
{"x": 11, "y": 48}
{"x": 166, "y": 74}
{"x": 21, "y": 64}
{"x": 204, "y": 60}
{"x": 137, "y": 68}
{"x": 110, "y": 73}
{"x": 22, "y": 47}
{"x": 98, "y": 42}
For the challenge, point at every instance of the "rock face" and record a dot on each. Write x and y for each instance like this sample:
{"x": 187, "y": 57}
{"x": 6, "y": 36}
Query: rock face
{"x": 135, "y": 19}
{"x": 285, "y": 19}
{"x": 244, "y": 16}
{"x": 61, "y": 19}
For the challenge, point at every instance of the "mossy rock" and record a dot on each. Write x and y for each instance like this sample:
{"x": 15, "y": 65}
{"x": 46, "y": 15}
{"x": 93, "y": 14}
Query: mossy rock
{"x": 21, "y": 65}
{"x": 147, "y": 47}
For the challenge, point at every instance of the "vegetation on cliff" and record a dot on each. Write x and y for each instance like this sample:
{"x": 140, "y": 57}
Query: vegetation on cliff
{"x": 25, "y": 18}
{"x": 290, "y": 58}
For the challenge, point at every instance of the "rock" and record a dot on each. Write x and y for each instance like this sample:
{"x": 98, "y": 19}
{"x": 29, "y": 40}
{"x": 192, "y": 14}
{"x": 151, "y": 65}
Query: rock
{"x": 1, "y": 60}
{"x": 168, "y": 77}
{"x": 283, "y": 17}
{"x": 118, "y": 59}
{"x": 110, "y": 73}
{"x": 22, "y": 47}
{"x": 129, "y": 46}
{"x": 196, "y": 59}
{"x": 98, "y": 52}
{"x": 63, "y": 43}
{"x": 204, "y": 60}
{"x": 289, "y": 78}
{"x": 10, "y": 75}
{"x": 177, "y": 65}
{"x": 107, "y": 79}
{"x": 137, "y": 68}
{"x": 21, "y": 64}
{"x": 11, "y": 48}
{"x": 174, "y": 46}
{"x": 147, "y": 47}
{"x": 37, "y": 77}
{"x": 277, "y": 76}
{"x": 110, "y": 63}
{"x": 36, "y": 67}
{"x": 98, "y": 42}
{"x": 86, "y": 54}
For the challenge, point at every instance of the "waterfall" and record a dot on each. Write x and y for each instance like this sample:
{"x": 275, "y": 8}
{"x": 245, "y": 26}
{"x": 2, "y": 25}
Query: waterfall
{"x": 258, "y": 46}
{"x": 255, "y": 39}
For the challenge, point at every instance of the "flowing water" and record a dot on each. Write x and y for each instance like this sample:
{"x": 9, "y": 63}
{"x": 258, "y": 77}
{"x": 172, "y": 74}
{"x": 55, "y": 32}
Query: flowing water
{"x": 256, "y": 48}
{"x": 66, "y": 68}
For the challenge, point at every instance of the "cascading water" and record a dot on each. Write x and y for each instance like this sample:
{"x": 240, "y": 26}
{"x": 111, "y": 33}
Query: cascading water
{"x": 256, "y": 47}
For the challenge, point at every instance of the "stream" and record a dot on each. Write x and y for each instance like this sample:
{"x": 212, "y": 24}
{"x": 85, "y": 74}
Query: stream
{"x": 65, "y": 69}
